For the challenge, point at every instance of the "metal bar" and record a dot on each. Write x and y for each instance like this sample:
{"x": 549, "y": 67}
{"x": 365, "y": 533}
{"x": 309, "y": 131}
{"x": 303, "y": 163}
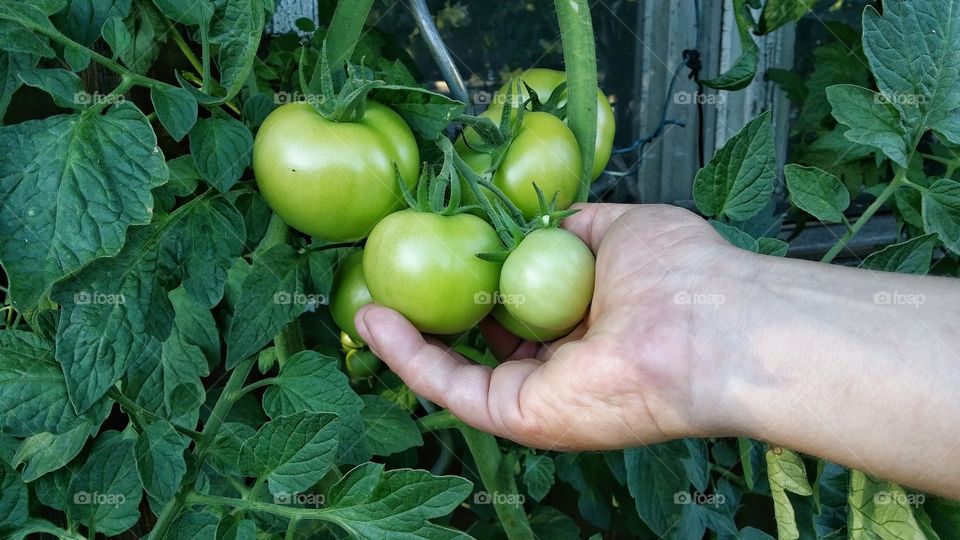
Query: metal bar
{"x": 431, "y": 34}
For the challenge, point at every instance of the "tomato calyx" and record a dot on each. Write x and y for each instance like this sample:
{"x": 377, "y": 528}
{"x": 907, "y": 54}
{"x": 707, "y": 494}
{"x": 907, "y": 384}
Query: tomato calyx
{"x": 348, "y": 104}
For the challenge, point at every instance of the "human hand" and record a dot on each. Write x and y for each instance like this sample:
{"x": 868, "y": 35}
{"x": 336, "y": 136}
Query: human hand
{"x": 626, "y": 376}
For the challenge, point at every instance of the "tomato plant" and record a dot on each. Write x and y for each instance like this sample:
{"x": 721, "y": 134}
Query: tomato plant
{"x": 178, "y": 186}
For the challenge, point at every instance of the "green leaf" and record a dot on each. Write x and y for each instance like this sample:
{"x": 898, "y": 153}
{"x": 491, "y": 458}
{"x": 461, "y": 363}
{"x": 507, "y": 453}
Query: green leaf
{"x": 77, "y": 59}
{"x": 116, "y": 35}
{"x": 11, "y": 65}
{"x": 83, "y": 19}
{"x": 237, "y": 30}
{"x": 773, "y": 247}
{"x": 184, "y": 176}
{"x": 176, "y": 109}
{"x": 786, "y": 474}
{"x": 46, "y": 452}
{"x": 387, "y": 428}
{"x": 59, "y": 212}
{"x": 872, "y": 121}
{"x": 225, "y": 450}
{"x": 592, "y": 502}
{"x": 744, "y": 70}
{"x": 193, "y": 526}
{"x": 159, "y": 458}
{"x": 291, "y": 452}
{"x": 148, "y": 32}
{"x": 222, "y": 148}
{"x": 912, "y": 49}
{"x": 738, "y": 181}
{"x": 911, "y": 257}
{"x": 232, "y": 527}
{"x": 189, "y": 12}
{"x": 777, "y": 13}
{"x": 114, "y": 307}
{"x": 274, "y": 293}
{"x": 166, "y": 378}
{"x": 539, "y": 474}
{"x": 944, "y": 514}
{"x": 37, "y": 526}
{"x": 310, "y": 381}
{"x": 427, "y": 113}
{"x": 64, "y": 86}
{"x": 370, "y": 503}
{"x": 880, "y": 509}
{"x": 33, "y": 393}
{"x": 736, "y": 236}
{"x": 17, "y": 39}
{"x": 548, "y": 522}
{"x": 13, "y": 498}
{"x": 817, "y": 192}
{"x": 661, "y": 493}
{"x": 941, "y": 212}
{"x": 106, "y": 491}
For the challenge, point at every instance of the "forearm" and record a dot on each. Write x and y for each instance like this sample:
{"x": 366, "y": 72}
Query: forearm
{"x": 858, "y": 367}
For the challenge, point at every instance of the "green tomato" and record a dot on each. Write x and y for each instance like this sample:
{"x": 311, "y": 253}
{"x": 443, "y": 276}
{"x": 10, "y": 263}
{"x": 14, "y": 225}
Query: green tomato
{"x": 544, "y": 82}
{"x": 349, "y": 293}
{"x": 523, "y": 330}
{"x": 544, "y": 152}
{"x": 548, "y": 280}
{"x": 362, "y": 364}
{"x": 334, "y": 180}
{"x": 426, "y": 267}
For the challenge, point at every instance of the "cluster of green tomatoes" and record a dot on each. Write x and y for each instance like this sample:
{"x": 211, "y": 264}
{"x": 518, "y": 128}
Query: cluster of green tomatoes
{"x": 448, "y": 268}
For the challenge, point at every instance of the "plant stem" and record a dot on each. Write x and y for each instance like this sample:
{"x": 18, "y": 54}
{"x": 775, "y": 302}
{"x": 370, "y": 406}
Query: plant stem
{"x": 182, "y": 44}
{"x": 897, "y": 182}
{"x": 496, "y": 472}
{"x": 439, "y": 420}
{"x": 255, "y": 506}
{"x": 210, "y": 429}
{"x": 134, "y": 408}
{"x": 259, "y": 384}
{"x": 291, "y": 529}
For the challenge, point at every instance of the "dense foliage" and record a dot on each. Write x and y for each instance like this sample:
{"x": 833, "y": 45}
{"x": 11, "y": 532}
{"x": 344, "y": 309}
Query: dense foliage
{"x": 169, "y": 365}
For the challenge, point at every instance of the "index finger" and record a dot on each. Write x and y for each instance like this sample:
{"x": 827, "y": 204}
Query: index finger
{"x": 593, "y": 220}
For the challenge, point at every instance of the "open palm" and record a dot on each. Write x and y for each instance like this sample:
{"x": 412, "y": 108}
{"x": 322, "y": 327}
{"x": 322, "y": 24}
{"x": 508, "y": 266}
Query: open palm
{"x": 621, "y": 379}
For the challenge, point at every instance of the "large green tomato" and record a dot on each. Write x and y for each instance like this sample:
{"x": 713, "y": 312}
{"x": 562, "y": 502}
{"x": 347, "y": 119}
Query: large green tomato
{"x": 544, "y": 152}
{"x": 349, "y": 293}
{"x": 334, "y": 180}
{"x": 544, "y": 82}
{"x": 548, "y": 280}
{"x": 426, "y": 267}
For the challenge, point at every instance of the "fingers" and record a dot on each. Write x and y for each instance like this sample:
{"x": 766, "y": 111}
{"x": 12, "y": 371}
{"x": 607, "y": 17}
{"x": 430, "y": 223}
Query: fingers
{"x": 503, "y": 344}
{"x": 483, "y": 398}
{"x": 592, "y": 221}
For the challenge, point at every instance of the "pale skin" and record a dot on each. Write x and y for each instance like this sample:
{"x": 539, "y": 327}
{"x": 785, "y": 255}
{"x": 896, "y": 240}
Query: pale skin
{"x": 688, "y": 336}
